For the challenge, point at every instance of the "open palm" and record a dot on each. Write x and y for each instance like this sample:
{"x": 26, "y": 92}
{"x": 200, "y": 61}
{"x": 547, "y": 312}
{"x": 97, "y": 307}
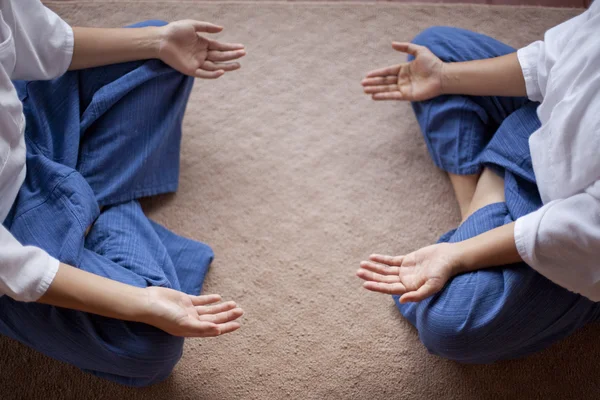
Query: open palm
{"x": 414, "y": 276}
{"x": 184, "y": 49}
{"x": 185, "y": 315}
{"x": 417, "y": 80}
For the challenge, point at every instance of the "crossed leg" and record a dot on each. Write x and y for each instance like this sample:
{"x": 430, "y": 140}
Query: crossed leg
{"x": 474, "y": 192}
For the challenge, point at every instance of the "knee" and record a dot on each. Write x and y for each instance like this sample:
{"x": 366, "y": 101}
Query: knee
{"x": 461, "y": 324}
{"x": 443, "y": 41}
{"x": 145, "y": 359}
{"x": 433, "y": 34}
{"x": 162, "y": 353}
{"x": 447, "y": 336}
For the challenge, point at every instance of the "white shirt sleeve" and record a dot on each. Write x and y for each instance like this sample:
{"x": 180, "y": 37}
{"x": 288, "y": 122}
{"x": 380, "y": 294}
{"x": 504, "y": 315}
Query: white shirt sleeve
{"x": 538, "y": 58}
{"x": 26, "y": 271}
{"x": 43, "y": 41}
{"x": 561, "y": 241}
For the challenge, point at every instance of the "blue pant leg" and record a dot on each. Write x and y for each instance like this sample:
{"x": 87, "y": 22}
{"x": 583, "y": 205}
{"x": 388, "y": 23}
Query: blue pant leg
{"x": 191, "y": 258}
{"x": 125, "y": 236}
{"x": 457, "y": 128}
{"x": 508, "y": 153}
{"x": 150, "y": 22}
{"x": 131, "y": 128}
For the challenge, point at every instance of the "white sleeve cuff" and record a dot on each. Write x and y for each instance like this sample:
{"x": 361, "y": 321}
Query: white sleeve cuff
{"x": 46, "y": 280}
{"x": 68, "y": 48}
{"x": 525, "y": 231}
{"x": 35, "y": 275}
{"x": 528, "y": 58}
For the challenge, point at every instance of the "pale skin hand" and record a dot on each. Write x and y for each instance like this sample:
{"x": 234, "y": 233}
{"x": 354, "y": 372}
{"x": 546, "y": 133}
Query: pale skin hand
{"x": 417, "y": 80}
{"x": 184, "y": 48}
{"x": 420, "y": 274}
{"x": 191, "y": 316}
{"x": 427, "y": 76}
{"x": 414, "y": 276}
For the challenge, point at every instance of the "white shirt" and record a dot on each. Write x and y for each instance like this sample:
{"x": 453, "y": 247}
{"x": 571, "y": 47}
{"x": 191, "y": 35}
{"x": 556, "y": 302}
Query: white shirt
{"x": 35, "y": 44}
{"x": 561, "y": 240}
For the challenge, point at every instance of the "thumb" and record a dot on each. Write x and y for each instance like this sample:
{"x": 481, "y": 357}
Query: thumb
{"x": 207, "y": 27}
{"x": 406, "y": 47}
{"x": 428, "y": 289}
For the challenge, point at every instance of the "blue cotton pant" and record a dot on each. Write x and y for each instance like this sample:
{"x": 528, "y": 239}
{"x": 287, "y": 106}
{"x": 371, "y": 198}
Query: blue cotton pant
{"x": 104, "y": 137}
{"x": 498, "y": 313}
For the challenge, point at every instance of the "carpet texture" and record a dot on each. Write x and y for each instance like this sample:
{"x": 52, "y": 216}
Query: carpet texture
{"x": 294, "y": 176}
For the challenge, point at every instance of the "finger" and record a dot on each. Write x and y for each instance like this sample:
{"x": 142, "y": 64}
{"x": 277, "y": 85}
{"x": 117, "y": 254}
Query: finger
{"x": 200, "y": 73}
{"x": 228, "y": 327}
{"x": 391, "y": 70}
{"x": 380, "y": 269}
{"x": 387, "y": 260}
{"x": 381, "y": 89}
{"x": 211, "y": 66}
{"x": 387, "y": 288}
{"x": 217, "y": 55}
{"x": 223, "y": 317}
{"x": 388, "y": 96}
{"x": 405, "y": 47}
{"x": 207, "y": 27}
{"x": 420, "y": 294}
{"x": 380, "y": 80}
{"x": 215, "y": 45}
{"x": 205, "y": 299}
{"x": 230, "y": 305}
{"x": 375, "y": 277}
{"x": 197, "y": 328}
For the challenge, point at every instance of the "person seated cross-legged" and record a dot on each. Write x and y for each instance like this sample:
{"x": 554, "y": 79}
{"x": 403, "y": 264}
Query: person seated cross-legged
{"x": 85, "y": 276}
{"x": 517, "y": 133}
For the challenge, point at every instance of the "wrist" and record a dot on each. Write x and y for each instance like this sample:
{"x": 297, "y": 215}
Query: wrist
{"x": 446, "y": 71}
{"x": 141, "y": 310}
{"x": 152, "y": 41}
{"x": 464, "y": 257}
{"x": 131, "y": 304}
{"x": 489, "y": 249}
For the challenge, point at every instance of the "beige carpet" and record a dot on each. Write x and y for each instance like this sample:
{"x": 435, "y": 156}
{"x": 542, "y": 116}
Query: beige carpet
{"x": 293, "y": 176}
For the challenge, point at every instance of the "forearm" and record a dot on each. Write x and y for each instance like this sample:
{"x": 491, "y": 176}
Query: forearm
{"x": 99, "y": 46}
{"x": 80, "y": 290}
{"x": 490, "y": 249}
{"x": 500, "y": 76}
